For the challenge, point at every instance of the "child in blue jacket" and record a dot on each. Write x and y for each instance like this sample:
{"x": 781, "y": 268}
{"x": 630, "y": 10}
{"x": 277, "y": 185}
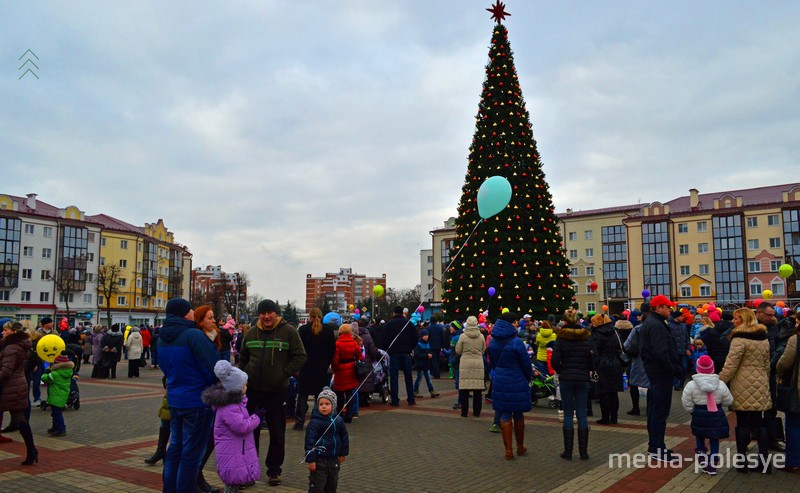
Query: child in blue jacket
{"x": 327, "y": 444}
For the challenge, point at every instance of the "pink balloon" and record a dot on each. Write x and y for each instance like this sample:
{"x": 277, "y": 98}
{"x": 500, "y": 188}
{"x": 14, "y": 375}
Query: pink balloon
{"x": 358, "y": 312}
{"x": 420, "y": 308}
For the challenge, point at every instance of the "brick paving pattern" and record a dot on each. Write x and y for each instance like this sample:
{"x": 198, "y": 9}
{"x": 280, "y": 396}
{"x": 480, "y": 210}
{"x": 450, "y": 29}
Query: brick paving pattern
{"x": 425, "y": 448}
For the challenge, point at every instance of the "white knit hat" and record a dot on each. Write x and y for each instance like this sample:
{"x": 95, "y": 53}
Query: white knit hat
{"x": 229, "y": 376}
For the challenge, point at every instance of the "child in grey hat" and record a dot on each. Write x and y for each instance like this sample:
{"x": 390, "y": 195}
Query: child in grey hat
{"x": 327, "y": 444}
{"x": 234, "y": 444}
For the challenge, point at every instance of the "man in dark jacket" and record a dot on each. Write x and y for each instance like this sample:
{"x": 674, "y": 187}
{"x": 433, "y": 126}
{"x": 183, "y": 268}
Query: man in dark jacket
{"x": 765, "y": 314}
{"x": 436, "y": 340}
{"x": 716, "y": 340}
{"x": 659, "y": 355}
{"x": 400, "y": 338}
{"x": 683, "y": 346}
{"x": 187, "y": 359}
{"x": 271, "y": 353}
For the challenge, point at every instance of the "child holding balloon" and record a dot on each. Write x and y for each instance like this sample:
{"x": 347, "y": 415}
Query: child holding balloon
{"x": 58, "y": 379}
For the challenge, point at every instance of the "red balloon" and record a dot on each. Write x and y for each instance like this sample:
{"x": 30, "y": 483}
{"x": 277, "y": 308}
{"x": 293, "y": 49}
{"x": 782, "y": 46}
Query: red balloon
{"x": 593, "y": 286}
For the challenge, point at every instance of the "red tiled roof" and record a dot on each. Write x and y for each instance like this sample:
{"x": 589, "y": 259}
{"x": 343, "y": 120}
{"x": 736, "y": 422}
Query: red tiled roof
{"x": 750, "y": 197}
{"x": 114, "y": 223}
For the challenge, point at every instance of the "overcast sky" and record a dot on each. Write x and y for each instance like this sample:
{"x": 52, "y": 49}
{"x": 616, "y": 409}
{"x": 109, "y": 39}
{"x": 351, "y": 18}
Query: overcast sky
{"x": 285, "y": 138}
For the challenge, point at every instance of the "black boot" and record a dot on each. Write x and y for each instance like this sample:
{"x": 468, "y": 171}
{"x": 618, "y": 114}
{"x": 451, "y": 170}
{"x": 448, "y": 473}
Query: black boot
{"x": 569, "y": 438}
{"x": 203, "y": 486}
{"x": 742, "y": 441}
{"x": 161, "y": 448}
{"x": 27, "y": 436}
{"x": 10, "y": 428}
{"x": 764, "y": 466}
{"x": 583, "y": 443}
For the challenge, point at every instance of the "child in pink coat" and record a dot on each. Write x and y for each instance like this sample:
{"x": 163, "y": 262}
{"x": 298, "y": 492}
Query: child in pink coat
{"x": 234, "y": 445}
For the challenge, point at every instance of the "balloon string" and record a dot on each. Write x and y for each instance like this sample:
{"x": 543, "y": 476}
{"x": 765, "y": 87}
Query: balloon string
{"x": 385, "y": 353}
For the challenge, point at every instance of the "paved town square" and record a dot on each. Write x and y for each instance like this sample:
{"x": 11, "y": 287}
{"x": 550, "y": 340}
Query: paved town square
{"x": 425, "y": 448}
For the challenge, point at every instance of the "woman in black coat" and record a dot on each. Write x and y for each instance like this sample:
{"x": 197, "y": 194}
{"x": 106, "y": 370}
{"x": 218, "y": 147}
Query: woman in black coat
{"x": 319, "y": 341}
{"x": 609, "y": 367}
{"x": 572, "y": 359}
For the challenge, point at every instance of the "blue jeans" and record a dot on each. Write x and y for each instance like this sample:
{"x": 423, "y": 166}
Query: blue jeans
{"x": 189, "y": 432}
{"x": 397, "y": 362}
{"x": 427, "y": 374}
{"x": 154, "y": 356}
{"x": 659, "y": 398}
{"x": 36, "y": 381}
{"x": 792, "y": 439}
{"x": 57, "y": 413}
{"x": 574, "y": 396}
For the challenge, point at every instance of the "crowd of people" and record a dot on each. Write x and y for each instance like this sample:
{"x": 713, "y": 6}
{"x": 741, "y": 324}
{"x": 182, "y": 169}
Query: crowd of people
{"x": 225, "y": 382}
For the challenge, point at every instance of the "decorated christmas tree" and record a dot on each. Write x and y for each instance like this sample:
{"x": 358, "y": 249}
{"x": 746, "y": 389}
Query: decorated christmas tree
{"x": 517, "y": 254}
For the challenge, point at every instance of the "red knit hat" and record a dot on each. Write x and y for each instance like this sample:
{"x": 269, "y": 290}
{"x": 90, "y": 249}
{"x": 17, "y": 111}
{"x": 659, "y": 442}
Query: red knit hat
{"x": 61, "y": 358}
{"x": 705, "y": 364}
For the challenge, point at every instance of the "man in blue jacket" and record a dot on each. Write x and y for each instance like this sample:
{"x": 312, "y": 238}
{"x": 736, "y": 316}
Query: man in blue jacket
{"x": 187, "y": 358}
{"x": 436, "y": 340}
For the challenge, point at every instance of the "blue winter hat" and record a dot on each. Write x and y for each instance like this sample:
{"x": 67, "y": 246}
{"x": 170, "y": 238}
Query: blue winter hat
{"x": 332, "y": 318}
{"x": 179, "y": 307}
{"x": 423, "y": 333}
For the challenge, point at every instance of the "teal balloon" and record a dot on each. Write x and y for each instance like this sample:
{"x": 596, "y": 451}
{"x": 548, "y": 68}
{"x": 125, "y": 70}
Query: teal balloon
{"x": 493, "y": 196}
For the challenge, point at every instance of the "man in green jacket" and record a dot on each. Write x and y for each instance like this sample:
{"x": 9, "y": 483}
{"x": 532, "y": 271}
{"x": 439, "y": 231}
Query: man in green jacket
{"x": 271, "y": 353}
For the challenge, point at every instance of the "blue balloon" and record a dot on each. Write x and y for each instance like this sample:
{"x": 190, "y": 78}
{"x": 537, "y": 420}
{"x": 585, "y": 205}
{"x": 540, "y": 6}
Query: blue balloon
{"x": 493, "y": 196}
{"x": 356, "y": 316}
{"x": 332, "y": 318}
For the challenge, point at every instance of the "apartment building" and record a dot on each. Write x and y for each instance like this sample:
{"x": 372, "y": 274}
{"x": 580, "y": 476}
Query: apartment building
{"x": 340, "y": 289}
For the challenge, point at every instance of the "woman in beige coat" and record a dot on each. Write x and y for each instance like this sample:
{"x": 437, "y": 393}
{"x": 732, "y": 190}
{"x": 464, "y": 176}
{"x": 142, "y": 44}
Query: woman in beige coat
{"x": 746, "y": 372}
{"x": 471, "y": 346}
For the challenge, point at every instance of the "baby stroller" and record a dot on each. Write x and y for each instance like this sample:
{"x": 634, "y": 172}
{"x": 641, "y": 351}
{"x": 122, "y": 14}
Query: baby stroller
{"x": 73, "y": 399}
{"x": 380, "y": 376}
{"x": 544, "y": 387}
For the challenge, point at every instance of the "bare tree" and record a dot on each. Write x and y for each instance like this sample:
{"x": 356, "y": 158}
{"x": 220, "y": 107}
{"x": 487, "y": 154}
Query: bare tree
{"x": 234, "y": 291}
{"x": 108, "y": 284}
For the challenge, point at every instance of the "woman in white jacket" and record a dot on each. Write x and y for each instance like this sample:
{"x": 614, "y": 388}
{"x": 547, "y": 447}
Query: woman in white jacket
{"x": 705, "y": 397}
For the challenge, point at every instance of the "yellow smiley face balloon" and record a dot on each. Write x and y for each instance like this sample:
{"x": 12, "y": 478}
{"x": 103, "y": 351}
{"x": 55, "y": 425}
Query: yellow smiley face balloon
{"x": 49, "y": 347}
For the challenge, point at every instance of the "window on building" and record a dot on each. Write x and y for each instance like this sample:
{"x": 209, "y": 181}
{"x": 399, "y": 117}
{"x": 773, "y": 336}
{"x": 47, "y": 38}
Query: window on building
{"x": 121, "y": 301}
{"x": 123, "y": 244}
{"x": 47, "y": 252}
{"x": 90, "y": 237}
{"x": 138, "y": 282}
{"x": 774, "y": 242}
{"x": 729, "y": 262}
{"x": 89, "y": 277}
{"x": 591, "y": 306}
{"x": 576, "y": 288}
{"x": 25, "y": 296}
{"x": 683, "y": 249}
{"x": 5, "y": 295}
{"x": 48, "y": 232}
{"x": 139, "y": 266}
{"x": 45, "y": 275}
{"x": 703, "y": 269}
{"x": 777, "y": 288}
{"x": 752, "y": 244}
{"x": 66, "y": 297}
{"x": 615, "y": 261}
{"x": 27, "y": 274}
{"x": 122, "y": 281}
{"x": 430, "y": 272}
{"x": 683, "y": 227}
{"x": 100, "y": 300}
{"x": 139, "y": 246}
{"x": 573, "y": 254}
{"x": 774, "y": 265}
{"x": 705, "y": 290}
{"x": 91, "y": 257}
{"x": 573, "y": 236}
{"x": 589, "y": 270}
{"x": 755, "y": 288}
{"x": 752, "y": 222}
{"x": 573, "y": 272}
{"x": 44, "y": 297}
{"x": 702, "y": 226}
{"x": 685, "y": 270}
{"x": 587, "y": 235}
{"x": 27, "y": 251}
{"x": 123, "y": 263}
{"x": 589, "y": 252}
{"x": 430, "y": 259}
{"x": 138, "y": 301}
{"x": 102, "y": 241}
{"x": 87, "y": 298}
{"x": 753, "y": 266}
{"x": 686, "y": 291}
{"x": 158, "y": 303}
{"x": 655, "y": 257}
{"x": 773, "y": 220}
{"x": 702, "y": 248}
{"x": 102, "y": 261}
{"x": 29, "y": 229}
